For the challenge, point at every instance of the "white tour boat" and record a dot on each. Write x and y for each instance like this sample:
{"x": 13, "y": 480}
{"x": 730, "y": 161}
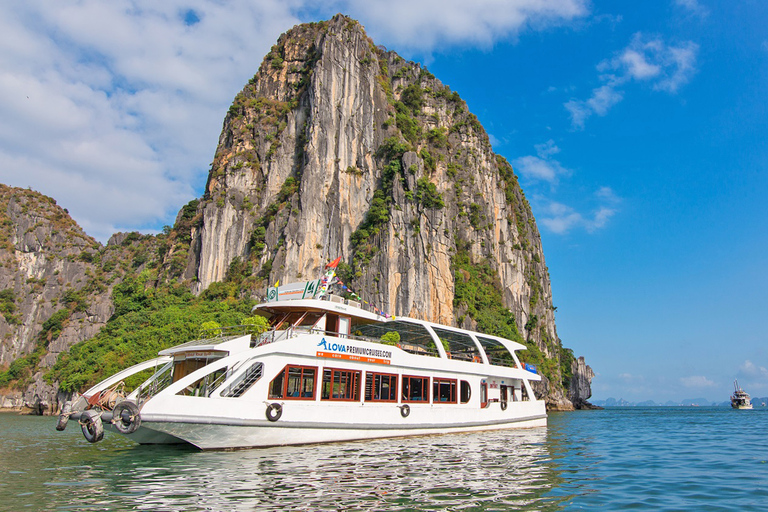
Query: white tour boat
{"x": 740, "y": 398}
{"x": 327, "y": 370}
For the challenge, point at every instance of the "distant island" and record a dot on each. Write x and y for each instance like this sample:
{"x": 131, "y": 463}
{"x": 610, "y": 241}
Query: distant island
{"x": 688, "y": 402}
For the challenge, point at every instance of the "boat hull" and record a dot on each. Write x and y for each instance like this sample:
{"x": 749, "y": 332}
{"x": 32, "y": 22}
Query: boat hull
{"x": 262, "y": 434}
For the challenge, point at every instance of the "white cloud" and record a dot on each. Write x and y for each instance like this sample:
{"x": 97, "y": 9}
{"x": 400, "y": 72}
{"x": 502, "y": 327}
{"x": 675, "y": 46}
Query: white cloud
{"x": 638, "y": 66}
{"x": 649, "y": 60}
{"x": 115, "y": 108}
{"x": 428, "y": 25}
{"x": 752, "y": 370}
{"x": 541, "y": 167}
{"x": 561, "y": 219}
{"x": 693, "y": 7}
{"x": 696, "y": 382}
{"x": 557, "y": 217}
{"x": 679, "y": 66}
{"x": 608, "y": 195}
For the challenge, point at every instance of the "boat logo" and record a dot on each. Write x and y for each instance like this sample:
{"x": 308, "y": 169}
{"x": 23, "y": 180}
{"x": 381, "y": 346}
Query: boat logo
{"x": 334, "y": 347}
{"x": 354, "y": 351}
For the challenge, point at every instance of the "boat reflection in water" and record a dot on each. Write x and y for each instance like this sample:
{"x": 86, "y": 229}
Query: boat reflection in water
{"x": 508, "y": 469}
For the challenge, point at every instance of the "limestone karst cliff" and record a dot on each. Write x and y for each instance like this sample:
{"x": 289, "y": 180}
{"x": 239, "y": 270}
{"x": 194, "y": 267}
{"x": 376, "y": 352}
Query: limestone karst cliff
{"x": 335, "y": 148}
{"x": 55, "y": 290}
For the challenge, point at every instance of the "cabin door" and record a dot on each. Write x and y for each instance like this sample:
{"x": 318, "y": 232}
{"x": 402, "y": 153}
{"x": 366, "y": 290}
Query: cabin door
{"x": 483, "y": 395}
{"x": 343, "y": 326}
{"x": 503, "y": 396}
{"x": 332, "y": 325}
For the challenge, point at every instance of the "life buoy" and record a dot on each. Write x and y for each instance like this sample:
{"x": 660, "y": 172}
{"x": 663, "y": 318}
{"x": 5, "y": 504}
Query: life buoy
{"x": 64, "y": 416}
{"x": 126, "y": 417}
{"x": 405, "y": 410}
{"x": 274, "y": 411}
{"x": 503, "y": 405}
{"x": 93, "y": 429}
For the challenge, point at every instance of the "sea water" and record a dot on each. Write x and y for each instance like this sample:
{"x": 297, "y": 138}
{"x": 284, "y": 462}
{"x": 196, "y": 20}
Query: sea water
{"x": 615, "y": 459}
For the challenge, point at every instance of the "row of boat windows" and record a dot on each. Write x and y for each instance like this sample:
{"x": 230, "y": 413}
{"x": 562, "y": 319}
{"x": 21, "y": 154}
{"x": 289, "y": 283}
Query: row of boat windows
{"x": 296, "y": 382}
{"x": 300, "y": 383}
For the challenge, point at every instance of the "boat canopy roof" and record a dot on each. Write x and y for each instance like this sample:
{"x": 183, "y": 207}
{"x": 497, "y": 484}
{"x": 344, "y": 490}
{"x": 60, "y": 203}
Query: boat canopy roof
{"x": 229, "y": 344}
{"x": 341, "y": 306}
{"x": 416, "y": 336}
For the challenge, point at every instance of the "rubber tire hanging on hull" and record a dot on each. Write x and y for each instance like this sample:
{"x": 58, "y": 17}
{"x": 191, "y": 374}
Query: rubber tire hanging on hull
{"x": 64, "y": 416}
{"x": 405, "y": 410}
{"x": 504, "y": 406}
{"x": 129, "y": 424}
{"x": 274, "y": 411}
{"x": 93, "y": 428}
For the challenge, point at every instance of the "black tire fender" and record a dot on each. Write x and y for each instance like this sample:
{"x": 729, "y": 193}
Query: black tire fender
{"x": 274, "y": 411}
{"x": 126, "y": 417}
{"x": 61, "y": 424}
{"x": 405, "y": 410}
{"x": 93, "y": 428}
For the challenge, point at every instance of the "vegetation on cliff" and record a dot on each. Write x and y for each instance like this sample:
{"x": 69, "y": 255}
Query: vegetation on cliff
{"x": 147, "y": 319}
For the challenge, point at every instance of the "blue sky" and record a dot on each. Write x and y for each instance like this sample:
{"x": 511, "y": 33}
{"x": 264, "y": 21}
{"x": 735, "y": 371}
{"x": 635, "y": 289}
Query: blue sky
{"x": 638, "y": 130}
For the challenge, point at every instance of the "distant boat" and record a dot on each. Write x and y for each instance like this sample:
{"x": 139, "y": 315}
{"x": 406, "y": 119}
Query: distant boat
{"x": 740, "y": 398}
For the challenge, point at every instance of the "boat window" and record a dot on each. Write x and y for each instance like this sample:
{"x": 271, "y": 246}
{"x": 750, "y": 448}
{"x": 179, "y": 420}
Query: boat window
{"x": 184, "y": 363}
{"x": 414, "y": 338}
{"x": 444, "y": 391}
{"x": 340, "y": 385}
{"x": 294, "y": 382}
{"x": 466, "y": 392}
{"x": 496, "y": 352}
{"x": 415, "y": 389}
{"x": 289, "y": 319}
{"x": 380, "y": 387}
{"x": 204, "y": 386}
{"x": 310, "y": 319}
{"x": 458, "y": 345}
{"x": 245, "y": 381}
{"x": 483, "y": 395}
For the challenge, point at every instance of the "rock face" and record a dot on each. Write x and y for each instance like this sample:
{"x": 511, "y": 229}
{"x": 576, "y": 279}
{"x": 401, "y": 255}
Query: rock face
{"x": 47, "y": 260}
{"x": 339, "y": 148}
{"x": 55, "y": 291}
{"x": 580, "y": 389}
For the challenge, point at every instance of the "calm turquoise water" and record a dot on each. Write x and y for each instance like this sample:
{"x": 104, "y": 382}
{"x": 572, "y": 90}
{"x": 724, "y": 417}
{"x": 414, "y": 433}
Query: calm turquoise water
{"x": 618, "y": 459}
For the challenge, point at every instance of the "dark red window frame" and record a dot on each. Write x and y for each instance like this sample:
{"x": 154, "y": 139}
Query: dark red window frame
{"x": 483, "y": 395}
{"x": 440, "y": 384}
{"x": 286, "y": 375}
{"x": 409, "y": 388}
{"x": 352, "y": 378}
{"x": 376, "y": 380}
